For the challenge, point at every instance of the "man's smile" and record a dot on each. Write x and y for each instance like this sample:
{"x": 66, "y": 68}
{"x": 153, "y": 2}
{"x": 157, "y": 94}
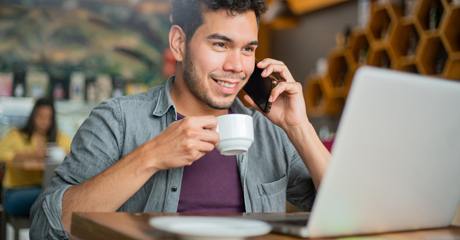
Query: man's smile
{"x": 226, "y": 84}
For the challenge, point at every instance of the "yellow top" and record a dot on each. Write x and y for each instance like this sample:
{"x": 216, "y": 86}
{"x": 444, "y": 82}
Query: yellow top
{"x": 15, "y": 142}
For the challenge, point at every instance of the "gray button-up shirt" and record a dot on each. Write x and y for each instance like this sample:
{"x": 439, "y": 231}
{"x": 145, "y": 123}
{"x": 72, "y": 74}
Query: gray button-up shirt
{"x": 271, "y": 171}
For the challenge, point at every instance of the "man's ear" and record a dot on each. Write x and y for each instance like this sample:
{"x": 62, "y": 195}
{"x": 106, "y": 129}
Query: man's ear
{"x": 177, "y": 41}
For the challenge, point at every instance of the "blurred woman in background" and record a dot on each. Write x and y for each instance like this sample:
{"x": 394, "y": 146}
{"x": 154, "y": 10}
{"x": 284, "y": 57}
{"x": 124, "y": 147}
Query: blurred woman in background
{"x": 29, "y": 144}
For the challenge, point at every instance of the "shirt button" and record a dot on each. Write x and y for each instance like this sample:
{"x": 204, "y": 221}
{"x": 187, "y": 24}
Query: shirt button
{"x": 174, "y": 189}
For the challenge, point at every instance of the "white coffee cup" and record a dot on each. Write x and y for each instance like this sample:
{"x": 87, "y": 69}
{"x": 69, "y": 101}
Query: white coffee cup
{"x": 55, "y": 153}
{"x": 236, "y": 132}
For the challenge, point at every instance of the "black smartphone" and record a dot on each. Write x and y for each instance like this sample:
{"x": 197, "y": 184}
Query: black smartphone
{"x": 259, "y": 88}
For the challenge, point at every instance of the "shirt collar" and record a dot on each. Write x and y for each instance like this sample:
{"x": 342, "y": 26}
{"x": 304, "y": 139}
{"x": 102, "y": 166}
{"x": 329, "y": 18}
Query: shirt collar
{"x": 164, "y": 99}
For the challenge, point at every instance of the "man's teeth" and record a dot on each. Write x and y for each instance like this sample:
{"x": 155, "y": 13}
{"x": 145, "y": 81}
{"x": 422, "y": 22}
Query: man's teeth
{"x": 226, "y": 84}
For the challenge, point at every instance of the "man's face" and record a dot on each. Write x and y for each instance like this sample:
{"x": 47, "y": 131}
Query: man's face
{"x": 220, "y": 57}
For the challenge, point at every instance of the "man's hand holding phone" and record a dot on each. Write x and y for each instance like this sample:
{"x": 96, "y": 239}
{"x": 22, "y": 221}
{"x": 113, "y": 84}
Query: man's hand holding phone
{"x": 288, "y": 112}
{"x": 287, "y": 101}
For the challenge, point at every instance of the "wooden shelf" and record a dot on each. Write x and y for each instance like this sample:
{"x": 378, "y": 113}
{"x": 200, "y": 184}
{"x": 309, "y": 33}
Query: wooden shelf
{"x": 359, "y": 45}
{"x": 451, "y": 30}
{"x": 423, "y": 14}
{"x": 378, "y": 45}
{"x": 407, "y": 68}
{"x": 304, "y": 6}
{"x": 383, "y": 20}
{"x": 436, "y": 51}
{"x": 453, "y": 67}
{"x": 338, "y": 74}
{"x": 451, "y": 4}
{"x": 318, "y": 103}
{"x": 381, "y": 57}
{"x": 284, "y": 23}
{"x": 431, "y": 49}
{"x": 405, "y": 41}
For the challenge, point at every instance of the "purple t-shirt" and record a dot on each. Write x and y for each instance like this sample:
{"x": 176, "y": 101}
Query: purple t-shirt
{"x": 211, "y": 184}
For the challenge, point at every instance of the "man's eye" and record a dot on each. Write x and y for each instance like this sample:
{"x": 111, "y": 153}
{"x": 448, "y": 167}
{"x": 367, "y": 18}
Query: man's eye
{"x": 249, "y": 49}
{"x": 219, "y": 44}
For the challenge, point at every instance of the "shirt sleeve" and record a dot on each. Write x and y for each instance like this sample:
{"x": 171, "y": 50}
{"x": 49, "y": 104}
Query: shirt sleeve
{"x": 301, "y": 191}
{"x": 8, "y": 145}
{"x": 95, "y": 147}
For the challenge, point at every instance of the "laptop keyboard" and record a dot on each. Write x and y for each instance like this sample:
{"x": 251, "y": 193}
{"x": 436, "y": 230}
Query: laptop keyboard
{"x": 302, "y": 222}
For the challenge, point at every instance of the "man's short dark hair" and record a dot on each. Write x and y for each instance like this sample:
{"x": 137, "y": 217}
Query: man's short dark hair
{"x": 188, "y": 14}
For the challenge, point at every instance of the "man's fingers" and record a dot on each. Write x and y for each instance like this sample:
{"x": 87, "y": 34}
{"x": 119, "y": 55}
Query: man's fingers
{"x": 209, "y": 136}
{"x": 202, "y": 128}
{"x": 205, "y": 147}
{"x": 288, "y": 87}
{"x": 282, "y": 71}
{"x": 264, "y": 63}
{"x": 203, "y": 122}
{"x": 271, "y": 65}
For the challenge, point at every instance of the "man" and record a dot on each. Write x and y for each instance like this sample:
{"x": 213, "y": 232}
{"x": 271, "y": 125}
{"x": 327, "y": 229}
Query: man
{"x": 155, "y": 151}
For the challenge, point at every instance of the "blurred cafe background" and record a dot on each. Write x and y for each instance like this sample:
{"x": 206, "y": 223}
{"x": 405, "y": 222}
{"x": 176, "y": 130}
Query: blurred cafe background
{"x": 81, "y": 52}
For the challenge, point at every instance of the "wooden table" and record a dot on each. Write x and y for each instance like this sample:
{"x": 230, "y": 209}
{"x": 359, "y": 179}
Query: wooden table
{"x": 47, "y": 167}
{"x": 28, "y": 164}
{"x": 122, "y": 225}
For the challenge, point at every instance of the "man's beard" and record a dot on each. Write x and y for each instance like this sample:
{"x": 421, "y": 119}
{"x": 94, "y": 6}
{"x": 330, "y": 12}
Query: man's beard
{"x": 192, "y": 81}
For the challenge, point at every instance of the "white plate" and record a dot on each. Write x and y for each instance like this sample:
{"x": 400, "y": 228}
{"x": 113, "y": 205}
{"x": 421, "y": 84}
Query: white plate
{"x": 187, "y": 227}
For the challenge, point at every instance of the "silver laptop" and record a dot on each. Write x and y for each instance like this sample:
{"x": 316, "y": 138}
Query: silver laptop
{"x": 395, "y": 163}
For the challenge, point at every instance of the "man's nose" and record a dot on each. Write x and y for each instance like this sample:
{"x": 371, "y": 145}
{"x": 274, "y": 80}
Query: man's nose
{"x": 234, "y": 63}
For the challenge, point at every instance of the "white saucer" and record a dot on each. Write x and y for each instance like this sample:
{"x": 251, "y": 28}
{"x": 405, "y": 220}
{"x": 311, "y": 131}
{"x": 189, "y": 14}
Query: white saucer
{"x": 192, "y": 228}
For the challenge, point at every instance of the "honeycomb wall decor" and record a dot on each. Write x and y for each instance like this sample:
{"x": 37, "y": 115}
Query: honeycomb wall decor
{"x": 426, "y": 42}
